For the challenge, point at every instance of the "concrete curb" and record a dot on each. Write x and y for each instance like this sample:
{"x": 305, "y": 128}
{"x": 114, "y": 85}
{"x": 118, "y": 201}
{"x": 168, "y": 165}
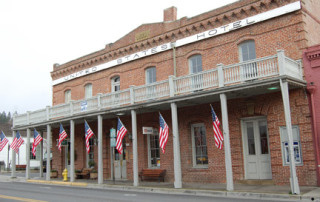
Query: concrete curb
{"x": 77, "y": 184}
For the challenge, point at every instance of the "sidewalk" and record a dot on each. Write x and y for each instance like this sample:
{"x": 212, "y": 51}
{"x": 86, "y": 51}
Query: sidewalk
{"x": 271, "y": 192}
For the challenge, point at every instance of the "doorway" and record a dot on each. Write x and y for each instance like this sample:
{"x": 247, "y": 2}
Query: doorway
{"x": 257, "y": 161}
{"x": 120, "y": 163}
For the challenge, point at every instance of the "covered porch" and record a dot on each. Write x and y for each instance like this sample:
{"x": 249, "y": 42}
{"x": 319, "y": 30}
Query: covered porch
{"x": 262, "y": 76}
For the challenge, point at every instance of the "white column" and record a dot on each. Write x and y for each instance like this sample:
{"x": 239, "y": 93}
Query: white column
{"x": 176, "y": 147}
{"x": 71, "y": 151}
{"x": 135, "y": 148}
{"x": 41, "y": 155}
{"x": 227, "y": 150}
{"x": 48, "y": 166}
{"x": 286, "y": 103}
{"x": 100, "y": 154}
{"x": 13, "y": 161}
{"x": 28, "y": 154}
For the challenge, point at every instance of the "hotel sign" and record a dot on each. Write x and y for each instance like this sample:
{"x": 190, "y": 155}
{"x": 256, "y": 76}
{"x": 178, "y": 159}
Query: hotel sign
{"x": 194, "y": 38}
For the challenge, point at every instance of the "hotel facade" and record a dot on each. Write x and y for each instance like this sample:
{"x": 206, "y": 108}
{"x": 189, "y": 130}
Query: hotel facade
{"x": 244, "y": 59}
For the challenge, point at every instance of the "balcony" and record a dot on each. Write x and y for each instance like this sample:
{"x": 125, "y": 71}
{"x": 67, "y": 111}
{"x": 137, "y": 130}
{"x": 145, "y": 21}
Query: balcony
{"x": 261, "y": 69}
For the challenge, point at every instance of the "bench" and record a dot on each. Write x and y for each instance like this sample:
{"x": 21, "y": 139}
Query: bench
{"x": 147, "y": 174}
{"x": 84, "y": 173}
{"x": 21, "y": 167}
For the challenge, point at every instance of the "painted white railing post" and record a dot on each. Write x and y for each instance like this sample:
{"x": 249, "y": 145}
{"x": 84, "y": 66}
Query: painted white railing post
{"x": 132, "y": 94}
{"x": 220, "y": 75}
{"x": 28, "y": 117}
{"x": 71, "y": 108}
{"x": 281, "y": 61}
{"x": 171, "y": 85}
{"x": 300, "y": 69}
{"x": 48, "y": 112}
{"x": 99, "y": 101}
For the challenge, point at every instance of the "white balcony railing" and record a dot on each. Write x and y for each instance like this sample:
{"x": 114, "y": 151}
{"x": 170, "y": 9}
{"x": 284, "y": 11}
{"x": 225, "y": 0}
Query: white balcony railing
{"x": 258, "y": 69}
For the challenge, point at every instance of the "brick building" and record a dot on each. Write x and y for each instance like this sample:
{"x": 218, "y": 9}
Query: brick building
{"x": 243, "y": 59}
{"x": 311, "y": 62}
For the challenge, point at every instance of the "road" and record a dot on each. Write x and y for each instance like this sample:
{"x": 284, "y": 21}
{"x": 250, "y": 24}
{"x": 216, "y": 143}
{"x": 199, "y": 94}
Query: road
{"x": 18, "y": 191}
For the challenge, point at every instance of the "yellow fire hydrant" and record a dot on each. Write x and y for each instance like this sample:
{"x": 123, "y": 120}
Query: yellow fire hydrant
{"x": 65, "y": 175}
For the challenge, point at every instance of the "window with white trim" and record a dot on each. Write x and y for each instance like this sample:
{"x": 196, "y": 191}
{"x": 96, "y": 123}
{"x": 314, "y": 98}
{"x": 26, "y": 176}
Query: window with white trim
{"x": 195, "y": 64}
{"x": 199, "y": 145}
{"x": 115, "y": 84}
{"x": 296, "y": 145}
{"x": 67, "y": 96}
{"x": 151, "y": 77}
{"x": 154, "y": 150}
{"x": 247, "y": 51}
{"x": 88, "y": 91}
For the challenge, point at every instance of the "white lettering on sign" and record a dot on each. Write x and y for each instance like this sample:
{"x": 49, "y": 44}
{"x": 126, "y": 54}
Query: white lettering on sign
{"x": 191, "y": 39}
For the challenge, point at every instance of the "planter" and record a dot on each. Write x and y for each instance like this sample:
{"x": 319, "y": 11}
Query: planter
{"x": 93, "y": 175}
{"x": 54, "y": 174}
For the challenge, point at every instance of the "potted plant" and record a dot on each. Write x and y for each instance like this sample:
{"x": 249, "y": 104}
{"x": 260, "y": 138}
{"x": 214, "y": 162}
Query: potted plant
{"x": 91, "y": 164}
{"x": 93, "y": 174}
{"x": 54, "y": 173}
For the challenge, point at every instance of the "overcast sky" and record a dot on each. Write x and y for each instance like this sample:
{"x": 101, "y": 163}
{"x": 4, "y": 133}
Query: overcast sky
{"x": 35, "y": 34}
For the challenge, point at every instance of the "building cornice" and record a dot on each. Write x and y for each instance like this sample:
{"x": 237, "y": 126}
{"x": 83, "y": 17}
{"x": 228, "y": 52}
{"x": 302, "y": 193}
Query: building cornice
{"x": 182, "y": 28}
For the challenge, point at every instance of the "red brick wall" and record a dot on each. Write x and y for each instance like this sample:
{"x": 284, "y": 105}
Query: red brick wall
{"x": 286, "y": 32}
{"x": 269, "y": 106}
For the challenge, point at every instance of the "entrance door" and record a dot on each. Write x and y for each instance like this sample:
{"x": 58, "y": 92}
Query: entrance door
{"x": 256, "y": 149}
{"x": 120, "y": 163}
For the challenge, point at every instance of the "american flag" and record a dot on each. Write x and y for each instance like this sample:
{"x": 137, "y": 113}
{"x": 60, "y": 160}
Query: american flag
{"x": 218, "y": 137}
{"x": 121, "y": 132}
{"x": 3, "y": 141}
{"x": 163, "y": 133}
{"x": 88, "y": 135}
{"x": 17, "y": 142}
{"x": 62, "y": 136}
{"x": 37, "y": 139}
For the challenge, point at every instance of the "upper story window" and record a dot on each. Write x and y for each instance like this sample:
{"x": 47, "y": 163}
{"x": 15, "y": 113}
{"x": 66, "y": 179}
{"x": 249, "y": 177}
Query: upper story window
{"x": 195, "y": 64}
{"x": 88, "y": 91}
{"x": 199, "y": 145}
{"x": 151, "y": 75}
{"x": 67, "y": 96}
{"x": 115, "y": 84}
{"x": 247, "y": 51}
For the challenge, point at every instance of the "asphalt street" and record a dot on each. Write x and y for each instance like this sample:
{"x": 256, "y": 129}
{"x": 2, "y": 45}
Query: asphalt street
{"x": 18, "y": 191}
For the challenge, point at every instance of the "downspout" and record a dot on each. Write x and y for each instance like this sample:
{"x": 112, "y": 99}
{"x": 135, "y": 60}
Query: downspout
{"x": 311, "y": 90}
{"x": 173, "y": 45}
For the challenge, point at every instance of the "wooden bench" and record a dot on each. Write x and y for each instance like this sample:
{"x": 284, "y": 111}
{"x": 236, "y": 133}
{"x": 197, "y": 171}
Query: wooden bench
{"x": 148, "y": 174}
{"x": 21, "y": 167}
{"x": 84, "y": 174}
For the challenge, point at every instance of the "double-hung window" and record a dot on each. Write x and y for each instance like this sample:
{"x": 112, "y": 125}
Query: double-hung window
{"x": 115, "y": 86}
{"x": 88, "y": 91}
{"x": 247, "y": 52}
{"x": 67, "y": 96}
{"x": 195, "y": 67}
{"x": 151, "y": 77}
